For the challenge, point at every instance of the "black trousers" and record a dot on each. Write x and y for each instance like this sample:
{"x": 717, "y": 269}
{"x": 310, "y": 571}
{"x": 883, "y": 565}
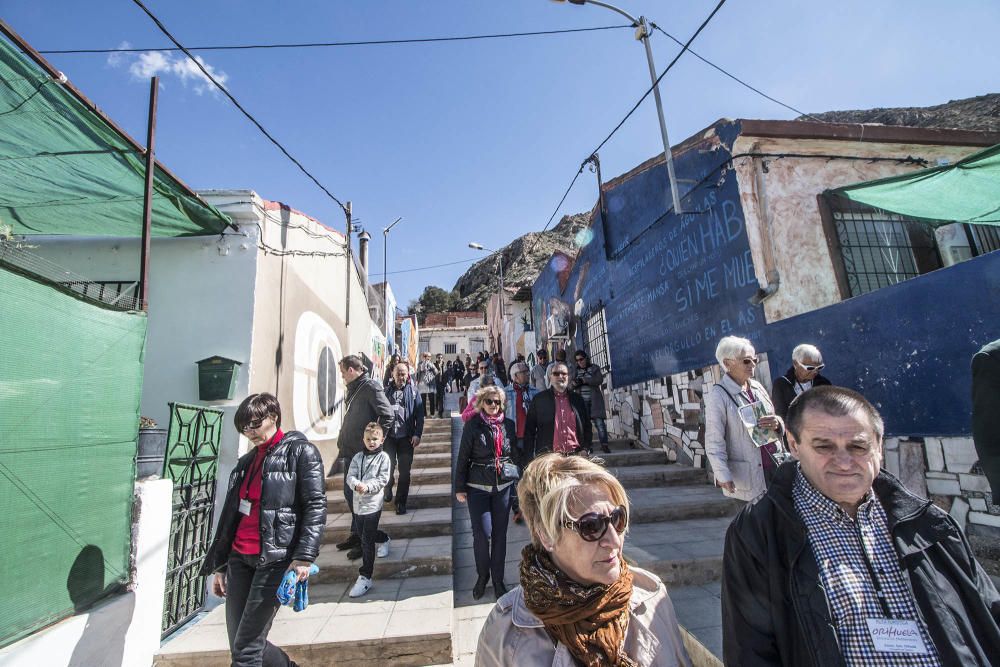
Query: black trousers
{"x": 490, "y": 513}
{"x": 400, "y": 451}
{"x": 251, "y": 603}
{"x": 430, "y": 403}
{"x": 368, "y": 527}
{"x": 440, "y": 401}
{"x": 380, "y": 537}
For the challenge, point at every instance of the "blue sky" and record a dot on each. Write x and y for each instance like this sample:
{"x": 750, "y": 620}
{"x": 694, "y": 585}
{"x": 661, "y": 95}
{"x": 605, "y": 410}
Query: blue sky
{"x": 477, "y": 140}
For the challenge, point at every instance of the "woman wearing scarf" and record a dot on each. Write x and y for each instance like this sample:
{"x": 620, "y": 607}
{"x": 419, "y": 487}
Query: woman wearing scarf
{"x": 579, "y": 602}
{"x": 483, "y": 477}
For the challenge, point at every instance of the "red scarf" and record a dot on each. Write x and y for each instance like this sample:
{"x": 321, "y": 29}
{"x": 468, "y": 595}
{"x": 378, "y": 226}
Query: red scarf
{"x": 496, "y": 426}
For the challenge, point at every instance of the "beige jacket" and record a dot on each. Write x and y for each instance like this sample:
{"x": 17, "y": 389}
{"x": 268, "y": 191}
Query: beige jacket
{"x": 514, "y": 636}
{"x": 728, "y": 445}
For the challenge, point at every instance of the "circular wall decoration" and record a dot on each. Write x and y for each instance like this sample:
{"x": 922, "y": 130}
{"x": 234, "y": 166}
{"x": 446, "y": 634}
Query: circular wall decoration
{"x": 316, "y": 386}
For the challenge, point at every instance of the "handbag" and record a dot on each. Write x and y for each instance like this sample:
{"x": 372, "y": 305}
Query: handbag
{"x": 510, "y": 471}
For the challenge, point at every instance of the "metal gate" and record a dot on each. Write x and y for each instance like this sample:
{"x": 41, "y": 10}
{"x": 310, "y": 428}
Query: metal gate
{"x": 192, "y": 460}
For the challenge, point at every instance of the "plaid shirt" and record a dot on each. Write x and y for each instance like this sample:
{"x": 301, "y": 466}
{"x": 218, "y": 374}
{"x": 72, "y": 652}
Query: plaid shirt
{"x": 840, "y": 544}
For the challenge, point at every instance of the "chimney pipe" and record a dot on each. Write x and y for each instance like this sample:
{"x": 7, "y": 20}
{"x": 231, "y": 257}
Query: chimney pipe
{"x": 363, "y": 239}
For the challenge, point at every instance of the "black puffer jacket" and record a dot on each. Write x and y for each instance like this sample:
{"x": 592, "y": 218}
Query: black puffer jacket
{"x": 783, "y": 392}
{"x": 364, "y": 402}
{"x": 292, "y": 505}
{"x": 477, "y": 454}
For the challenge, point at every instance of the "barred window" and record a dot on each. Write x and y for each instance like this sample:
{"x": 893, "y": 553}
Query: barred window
{"x": 597, "y": 340}
{"x": 450, "y": 348}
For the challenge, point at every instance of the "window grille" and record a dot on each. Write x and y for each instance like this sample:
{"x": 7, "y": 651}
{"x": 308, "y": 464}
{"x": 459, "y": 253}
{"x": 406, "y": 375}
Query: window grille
{"x": 597, "y": 340}
{"x": 450, "y": 348}
{"x": 425, "y": 346}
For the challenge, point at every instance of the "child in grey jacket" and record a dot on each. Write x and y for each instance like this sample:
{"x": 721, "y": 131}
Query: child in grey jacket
{"x": 367, "y": 476}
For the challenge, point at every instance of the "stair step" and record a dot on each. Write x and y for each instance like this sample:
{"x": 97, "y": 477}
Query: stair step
{"x": 408, "y": 557}
{"x": 677, "y": 503}
{"x": 398, "y": 622}
{"x": 426, "y": 522}
{"x": 422, "y": 495}
{"x": 661, "y": 474}
{"x": 417, "y": 476}
{"x": 682, "y": 553}
{"x": 434, "y": 448}
{"x": 620, "y": 458}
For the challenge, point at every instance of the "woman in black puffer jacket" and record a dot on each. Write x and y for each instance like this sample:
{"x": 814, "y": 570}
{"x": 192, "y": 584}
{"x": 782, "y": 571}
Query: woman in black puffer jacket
{"x": 481, "y": 481}
{"x": 272, "y": 521}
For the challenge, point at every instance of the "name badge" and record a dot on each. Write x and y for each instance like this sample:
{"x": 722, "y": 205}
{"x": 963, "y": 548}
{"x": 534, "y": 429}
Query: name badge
{"x": 896, "y": 636}
{"x": 245, "y": 506}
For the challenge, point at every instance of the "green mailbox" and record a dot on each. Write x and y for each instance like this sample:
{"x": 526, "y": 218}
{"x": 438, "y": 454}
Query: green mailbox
{"x": 217, "y": 378}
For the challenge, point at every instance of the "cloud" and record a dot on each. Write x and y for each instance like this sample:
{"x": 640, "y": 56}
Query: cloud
{"x": 147, "y": 64}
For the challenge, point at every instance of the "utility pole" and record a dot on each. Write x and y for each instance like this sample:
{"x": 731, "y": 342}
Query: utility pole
{"x": 147, "y": 197}
{"x": 350, "y": 259}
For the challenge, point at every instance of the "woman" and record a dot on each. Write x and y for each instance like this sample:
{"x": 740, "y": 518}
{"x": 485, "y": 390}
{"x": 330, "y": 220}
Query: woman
{"x": 458, "y": 373}
{"x": 272, "y": 522}
{"x": 483, "y": 477}
{"x": 742, "y": 467}
{"x": 579, "y": 602}
{"x": 387, "y": 377}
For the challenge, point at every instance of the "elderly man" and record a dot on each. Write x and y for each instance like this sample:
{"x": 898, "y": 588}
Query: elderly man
{"x": 838, "y": 564}
{"x": 807, "y": 362}
{"x": 557, "y": 419}
{"x": 539, "y": 374}
{"x": 482, "y": 369}
{"x": 404, "y": 434}
{"x": 520, "y": 393}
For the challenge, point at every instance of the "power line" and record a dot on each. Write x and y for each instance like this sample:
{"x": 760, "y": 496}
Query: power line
{"x": 735, "y": 78}
{"x": 232, "y": 99}
{"x": 371, "y": 42}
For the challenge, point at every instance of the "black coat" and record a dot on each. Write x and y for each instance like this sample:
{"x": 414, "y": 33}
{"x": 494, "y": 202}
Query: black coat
{"x": 292, "y": 505}
{"x": 413, "y": 409}
{"x": 783, "y": 391}
{"x": 364, "y": 402}
{"x": 539, "y": 426}
{"x": 477, "y": 454}
{"x": 986, "y": 412}
{"x": 775, "y": 610}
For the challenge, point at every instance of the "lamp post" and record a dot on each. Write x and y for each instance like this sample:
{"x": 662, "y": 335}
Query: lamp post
{"x": 477, "y": 246}
{"x": 642, "y": 34}
{"x": 385, "y": 280}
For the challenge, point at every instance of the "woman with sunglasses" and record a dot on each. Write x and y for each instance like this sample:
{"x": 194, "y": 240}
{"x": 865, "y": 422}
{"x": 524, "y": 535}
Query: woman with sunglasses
{"x": 272, "y": 522}
{"x": 735, "y": 408}
{"x": 483, "y": 478}
{"x": 807, "y": 362}
{"x": 579, "y": 602}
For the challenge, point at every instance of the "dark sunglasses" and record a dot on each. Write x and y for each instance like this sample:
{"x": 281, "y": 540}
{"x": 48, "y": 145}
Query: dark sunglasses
{"x": 491, "y": 401}
{"x": 581, "y": 358}
{"x": 810, "y": 369}
{"x": 751, "y": 360}
{"x": 252, "y": 426}
{"x": 592, "y": 526}
{"x": 558, "y": 373}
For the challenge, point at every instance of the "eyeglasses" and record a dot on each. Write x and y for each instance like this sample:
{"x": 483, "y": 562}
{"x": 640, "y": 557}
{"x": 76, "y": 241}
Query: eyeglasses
{"x": 491, "y": 401}
{"x": 810, "y": 369}
{"x": 252, "y": 426}
{"x": 581, "y": 358}
{"x": 558, "y": 373}
{"x": 751, "y": 360}
{"x": 592, "y": 526}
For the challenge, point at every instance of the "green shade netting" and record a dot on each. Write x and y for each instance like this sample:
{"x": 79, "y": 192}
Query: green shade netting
{"x": 65, "y": 170}
{"x": 967, "y": 191}
{"x": 70, "y": 382}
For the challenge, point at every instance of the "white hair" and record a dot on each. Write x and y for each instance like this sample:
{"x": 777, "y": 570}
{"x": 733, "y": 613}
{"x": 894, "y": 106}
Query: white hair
{"x": 806, "y": 351}
{"x": 731, "y": 347}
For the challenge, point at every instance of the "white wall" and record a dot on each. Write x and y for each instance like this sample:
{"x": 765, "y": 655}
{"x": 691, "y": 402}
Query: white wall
{"x": 125, "y": 629}
{"x": 462, "y": 337}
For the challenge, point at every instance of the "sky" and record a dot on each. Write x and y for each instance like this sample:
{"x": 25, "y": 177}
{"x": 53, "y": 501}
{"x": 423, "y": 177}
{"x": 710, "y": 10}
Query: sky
{"x": 477, "y": 140}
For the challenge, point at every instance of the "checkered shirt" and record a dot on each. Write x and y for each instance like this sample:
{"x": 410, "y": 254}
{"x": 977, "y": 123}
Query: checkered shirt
{"x": 839, "y": 544}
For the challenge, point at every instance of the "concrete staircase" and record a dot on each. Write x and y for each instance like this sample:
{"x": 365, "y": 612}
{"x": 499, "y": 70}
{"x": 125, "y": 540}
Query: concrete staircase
{"x": 406, "y": 619}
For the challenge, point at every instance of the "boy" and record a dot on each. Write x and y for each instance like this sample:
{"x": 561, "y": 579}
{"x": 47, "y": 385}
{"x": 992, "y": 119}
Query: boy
{"x": 367, "y": 477}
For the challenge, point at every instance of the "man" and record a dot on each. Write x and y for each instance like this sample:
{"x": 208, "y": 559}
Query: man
{"x": 560, "y": 359}
{"x": 364, "y": 402}
{"x": 540, "y": 373}
{"x": 986, "y": 412}
{"x": 404, "y": 434}
{"x": 587, "y": 381}
{"x": 441, "y": 383}
{"x": 482, "y": 369}
{"x": 519, "y": 396}
{"x": 838, "y": 564}
{"x": 426, "y": 376}
{"x": 557, "y": 420}
{"x": 807, "y": 362}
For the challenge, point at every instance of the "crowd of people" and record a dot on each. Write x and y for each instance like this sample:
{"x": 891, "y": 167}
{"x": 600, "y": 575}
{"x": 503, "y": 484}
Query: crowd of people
{"x": 832, "y": 561}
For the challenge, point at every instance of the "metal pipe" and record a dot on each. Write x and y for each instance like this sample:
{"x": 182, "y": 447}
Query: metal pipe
{"x": 667, "y": 153}
{"x": 147, "y": 195}
{"x": 385, "y": 279}
{"x": 350, "y": 260}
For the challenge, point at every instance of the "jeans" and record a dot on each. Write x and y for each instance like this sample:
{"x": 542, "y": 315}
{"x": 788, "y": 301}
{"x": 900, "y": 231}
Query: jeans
{"x": 602, "y": 430}
{"x": 368, "y": 527}
{"x": 380, "y": 536}
{"x": 429, "y": 403}
{"x": 399, "y": 450}
{"x": 515, "y": 505}
{"x": 490, "y": 513}
{"x": 440, "y": 401}
{"x": 251, "y": 603}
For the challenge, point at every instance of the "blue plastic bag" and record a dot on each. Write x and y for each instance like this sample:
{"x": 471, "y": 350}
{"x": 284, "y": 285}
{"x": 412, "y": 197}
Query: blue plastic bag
{"x": 291, "y": 589}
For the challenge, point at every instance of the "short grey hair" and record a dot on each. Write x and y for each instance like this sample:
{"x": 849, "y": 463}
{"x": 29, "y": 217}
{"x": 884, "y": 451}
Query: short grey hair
{"x": 731, "y": 347}
{"x": 806, "y": 351}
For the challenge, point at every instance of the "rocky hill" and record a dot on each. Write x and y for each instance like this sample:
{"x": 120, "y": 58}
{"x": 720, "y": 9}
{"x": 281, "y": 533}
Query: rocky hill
{"x": 973, "y": 113}
{"x": 523, "y": 260}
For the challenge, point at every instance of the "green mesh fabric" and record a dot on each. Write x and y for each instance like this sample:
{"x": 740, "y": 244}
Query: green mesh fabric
{"x": 70, "y": 385}
{"x": 64, "y": 170}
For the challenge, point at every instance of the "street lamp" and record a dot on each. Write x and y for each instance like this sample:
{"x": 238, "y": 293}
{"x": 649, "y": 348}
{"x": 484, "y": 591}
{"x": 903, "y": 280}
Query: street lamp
{"x": 642, "y": 34}
{"x": 477, "y": 246}
{"x": 385, "y": 279}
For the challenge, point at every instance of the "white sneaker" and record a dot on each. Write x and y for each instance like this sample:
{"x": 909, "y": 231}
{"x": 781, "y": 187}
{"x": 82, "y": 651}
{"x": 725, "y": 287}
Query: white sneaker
{"x": 361, "y": 586}
{"x": 382, "y": 550}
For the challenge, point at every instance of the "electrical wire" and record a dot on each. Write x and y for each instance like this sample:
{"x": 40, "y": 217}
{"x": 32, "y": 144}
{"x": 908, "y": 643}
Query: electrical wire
{"x": 239, "y": 106}
{"x": 371, "y": 42}
{"x": 735, "y": 78}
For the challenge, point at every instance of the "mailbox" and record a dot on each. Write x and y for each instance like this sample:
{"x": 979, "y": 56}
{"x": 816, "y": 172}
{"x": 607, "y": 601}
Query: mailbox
{"x": 217, "y": 378}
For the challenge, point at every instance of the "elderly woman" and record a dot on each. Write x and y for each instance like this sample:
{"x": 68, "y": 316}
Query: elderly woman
{"x": 736, "y": 408}
{"x": 483, "y": 477}
{"x": 272, "y": 522}
{"x": 579, "y": 602}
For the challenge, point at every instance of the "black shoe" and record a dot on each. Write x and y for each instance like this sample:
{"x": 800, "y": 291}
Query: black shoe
{"x": 480, "y": 587}
{"x": 350, "y": 543}
{"x": 400, "y": 508}
{"x": 354, "y": 553}
{"x": 500, "y": 589}
{"x": 388, "y": 495}
{"x": 518, "y": 517}
{"x": 605, "y": 449}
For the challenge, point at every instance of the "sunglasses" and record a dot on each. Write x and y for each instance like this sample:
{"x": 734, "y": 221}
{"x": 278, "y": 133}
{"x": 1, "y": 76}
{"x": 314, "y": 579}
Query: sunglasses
{"x": 491, "y": 401}
{"x": 810, "y": 369}
{"x": 558, "y": 373}
{"x": 581, "y": 358}
{"x": 252, "y": 426}
{"x": 751, "y": 360}
{"x": 592, "y": 526}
